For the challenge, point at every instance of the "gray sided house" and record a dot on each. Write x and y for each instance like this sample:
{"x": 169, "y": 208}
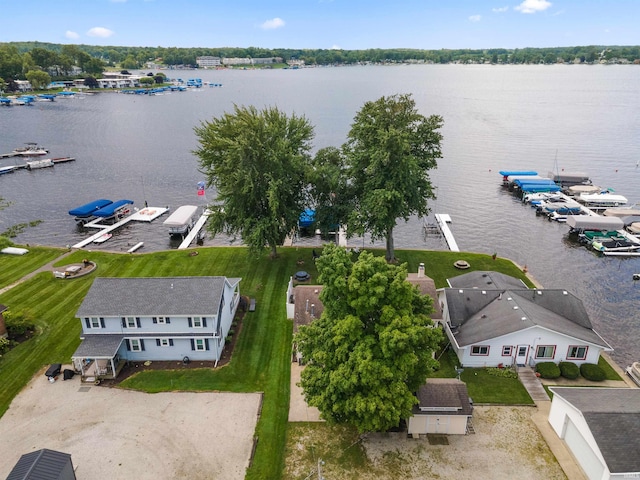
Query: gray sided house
{"x": 154, "y": 319}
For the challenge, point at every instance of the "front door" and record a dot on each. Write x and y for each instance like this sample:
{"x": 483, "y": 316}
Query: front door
{"x": 521, "y": 354}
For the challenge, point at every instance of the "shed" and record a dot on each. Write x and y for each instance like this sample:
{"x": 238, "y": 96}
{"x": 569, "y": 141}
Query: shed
{"x": 444, "y": 407}
{"x": 43, "y": 464}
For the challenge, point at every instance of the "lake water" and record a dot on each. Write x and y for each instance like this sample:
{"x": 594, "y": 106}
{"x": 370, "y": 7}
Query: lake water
{"x": 578, "y": 118}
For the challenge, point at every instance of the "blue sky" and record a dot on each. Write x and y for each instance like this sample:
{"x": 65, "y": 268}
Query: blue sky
{"x": 344, "y": 24}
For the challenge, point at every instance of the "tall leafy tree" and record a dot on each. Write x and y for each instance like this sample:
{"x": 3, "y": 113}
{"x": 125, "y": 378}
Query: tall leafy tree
{"x": 328, "y": 188}
{"x": 390, "y": 150}
{"x": 38, "y": 79}
{"x": 371, "y": 349}
{"x": 257, "y": 162}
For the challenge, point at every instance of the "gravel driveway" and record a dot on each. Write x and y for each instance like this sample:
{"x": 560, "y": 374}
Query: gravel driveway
{"x": 120, "y": 434}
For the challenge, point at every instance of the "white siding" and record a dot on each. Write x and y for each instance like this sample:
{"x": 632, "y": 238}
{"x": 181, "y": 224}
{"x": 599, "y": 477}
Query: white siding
{"x": 569, "y": 424}
{"x": 533, "y": 337}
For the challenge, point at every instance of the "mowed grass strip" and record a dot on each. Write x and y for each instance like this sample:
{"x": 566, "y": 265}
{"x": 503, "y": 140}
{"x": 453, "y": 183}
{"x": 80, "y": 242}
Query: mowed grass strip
{"x": 14, "y": 267}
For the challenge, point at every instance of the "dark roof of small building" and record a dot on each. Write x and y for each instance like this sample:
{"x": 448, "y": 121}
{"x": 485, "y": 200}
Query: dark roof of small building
{"x": 486, "y": 280}
{"x": 480, "y": 315}
{"x": 427, "y": 286}
{"x": 3, "y": 308}
{"x": 613, "y": 416}
{"x": 446, "y": 396}
{"x": 43, "y": 464}
{"x": 97, "y": 346}
{"x": 154, "y": 296}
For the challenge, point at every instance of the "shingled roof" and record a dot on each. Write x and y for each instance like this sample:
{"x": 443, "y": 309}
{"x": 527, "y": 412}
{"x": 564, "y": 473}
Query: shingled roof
{"x": 479, "y": 315}
{"x": 613, "y": 416}
{"x": 154, "y": 296}
{"x": 443, "y": 396}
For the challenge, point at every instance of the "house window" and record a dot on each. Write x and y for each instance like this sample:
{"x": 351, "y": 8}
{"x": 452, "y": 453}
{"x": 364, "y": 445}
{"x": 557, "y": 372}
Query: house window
{"x": 199, "y": 344}
{"x": 545, "y": 351}
{"x": 164, "y": 342}
{"x": 95, "y": 322}
{"x": 506, "y": 350}
{"x": 197, "y": 322}
{"x": 131, "y": 322}
{"x": 136, "y": 346}
{"x": 577, "y": 353}
{"x": 480, "y": 350}
{"x": 162, "y": 320}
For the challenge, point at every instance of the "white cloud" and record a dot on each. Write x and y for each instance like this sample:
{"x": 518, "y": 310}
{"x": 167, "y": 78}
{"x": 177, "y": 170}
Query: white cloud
{"x": 475, "y": 18}
{"x": 335, "y": 47}
{"x": 100, "y": 32}
{"x": 533, "y": 6}
{"x": 71, "y": 35}
{"x": 500, "y": 9}
{"x": 273, "y": 24}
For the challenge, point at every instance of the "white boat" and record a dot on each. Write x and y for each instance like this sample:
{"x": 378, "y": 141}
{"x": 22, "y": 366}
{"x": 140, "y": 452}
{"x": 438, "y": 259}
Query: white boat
{"x": 575, "y": 190}
{"x": 9, "y": 169}
{"x": 583, "y": 223}
{"x": 634, "y": 372}
{"x": 540, "y": 196}
{"x": 182, "y": 220}
{"x": 103, "y": 238}
{"x": 601, "y": 201}
{"x": 36, "y": 164}
{"x": 621, "y": 212}
{"x": 32, "y": 149}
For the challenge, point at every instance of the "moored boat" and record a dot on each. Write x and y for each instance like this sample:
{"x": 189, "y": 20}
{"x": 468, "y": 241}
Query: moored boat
{"x": 182, "y": 220}
{"x": 84, "y": 213}
{"x": 36, "y": 164}
{"x": 634, "y": 372}
{"x": 114, "y": 211}
{"x": 31, "y": 150}
{"x": 601, "y": 201}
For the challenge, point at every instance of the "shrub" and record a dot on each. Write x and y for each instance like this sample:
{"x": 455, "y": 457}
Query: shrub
{"x": 19, "y": 323}
{"x": 569, "y": 370}
{"x": 231, "y": 333}
{"x": 502, "y": 372}
{"x": 592, "y": 372}
{"x": 548, "y": 370}
{"x": 5, "y": 344}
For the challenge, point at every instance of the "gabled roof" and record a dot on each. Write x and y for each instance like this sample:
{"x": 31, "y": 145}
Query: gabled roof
{"x": 154, "y": 296}
{"x": 443, "y": 396}
{"x": 613, "y": 416}
{"x": 481, "y": 315}
{"x": 42, "y": 464}
{"x": 485, "y": 280}
{"x": 427, "y": 286}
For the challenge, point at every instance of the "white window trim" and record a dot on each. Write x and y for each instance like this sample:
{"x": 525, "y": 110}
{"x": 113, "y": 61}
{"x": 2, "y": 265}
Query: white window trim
{"x": 162, "y": 320}
{"x": 480, "y": 347}
{"x": 198, "y": 319}
{"x": 136, "y": 345}
{"x": 197, "y": 347}
{"x": 95, "y": 322}
{"x": 164, "y": 342}
{"x": 135, "y": 323}
{"x": 553, "y": 351}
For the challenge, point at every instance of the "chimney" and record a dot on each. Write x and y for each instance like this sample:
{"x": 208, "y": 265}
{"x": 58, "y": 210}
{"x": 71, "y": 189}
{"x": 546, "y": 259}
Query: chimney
{"x": 421, "y": 270}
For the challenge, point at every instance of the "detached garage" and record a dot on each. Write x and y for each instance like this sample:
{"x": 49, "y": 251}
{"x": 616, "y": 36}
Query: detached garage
{"x": 601, "y": 428}
{"x": 444, "y": 407}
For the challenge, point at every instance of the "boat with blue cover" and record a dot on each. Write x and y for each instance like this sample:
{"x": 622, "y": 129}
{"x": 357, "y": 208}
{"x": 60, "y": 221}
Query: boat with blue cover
{"x": 509, "y": 173}
{"x": 115, "y": 210}
{"x": 85, "y": 213}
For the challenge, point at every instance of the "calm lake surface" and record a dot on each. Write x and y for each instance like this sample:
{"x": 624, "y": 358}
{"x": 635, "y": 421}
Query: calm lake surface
{"x": 495, "y": 117}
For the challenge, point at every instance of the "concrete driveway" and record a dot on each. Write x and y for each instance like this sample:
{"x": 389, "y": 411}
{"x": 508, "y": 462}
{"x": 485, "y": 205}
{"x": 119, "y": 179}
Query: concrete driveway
{"x": 120, "y": 434}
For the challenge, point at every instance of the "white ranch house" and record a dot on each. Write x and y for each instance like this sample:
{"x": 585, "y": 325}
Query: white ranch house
{"x": 492, "y": 319}
{"x": 155, "y": 319}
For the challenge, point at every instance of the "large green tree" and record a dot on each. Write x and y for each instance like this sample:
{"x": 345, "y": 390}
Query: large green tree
{"x": 328, "y": 189}
{"x": 371, "y": 348}
{"x": 257, "y": 161}
{"x": 390, "y": 150}
{"x": 38, "y": 79}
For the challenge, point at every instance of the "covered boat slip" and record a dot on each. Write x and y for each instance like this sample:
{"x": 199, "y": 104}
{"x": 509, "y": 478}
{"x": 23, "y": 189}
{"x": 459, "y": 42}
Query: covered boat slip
{"x": 181, "y": 221}
{"x": 87, "y": 210}
{"x": 580, "y": 223}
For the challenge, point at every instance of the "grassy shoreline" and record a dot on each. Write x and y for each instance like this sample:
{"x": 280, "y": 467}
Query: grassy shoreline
{"x": 261, "y": 360}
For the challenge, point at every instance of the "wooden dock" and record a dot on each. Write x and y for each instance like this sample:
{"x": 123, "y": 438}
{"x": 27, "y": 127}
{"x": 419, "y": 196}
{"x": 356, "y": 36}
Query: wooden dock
{"x": 195, "y": 230}
{"x": 443, "y": 219}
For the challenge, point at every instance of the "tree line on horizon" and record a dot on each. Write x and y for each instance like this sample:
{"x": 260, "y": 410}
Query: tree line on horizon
{"x": 93, "y": 58}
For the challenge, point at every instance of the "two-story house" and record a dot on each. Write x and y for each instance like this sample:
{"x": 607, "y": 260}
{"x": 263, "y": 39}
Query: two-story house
{"x": 154, "y": 319}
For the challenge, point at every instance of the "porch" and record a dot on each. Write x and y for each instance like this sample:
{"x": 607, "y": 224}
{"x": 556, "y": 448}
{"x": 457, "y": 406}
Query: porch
{"x": 97, "y": 357}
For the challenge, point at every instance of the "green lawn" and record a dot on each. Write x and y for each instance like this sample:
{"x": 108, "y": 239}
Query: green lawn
{"x": 14, "y": 267}
{"x": 261, "y": 361}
